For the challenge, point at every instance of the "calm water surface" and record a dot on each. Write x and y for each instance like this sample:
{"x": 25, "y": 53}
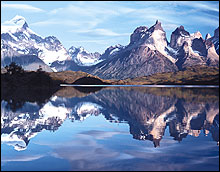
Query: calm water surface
{"x": 112, "y": 128}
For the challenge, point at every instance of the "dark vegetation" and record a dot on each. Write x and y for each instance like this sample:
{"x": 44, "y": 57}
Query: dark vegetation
{"x": 89, "y": 81}
{"x": 19, "y": 86}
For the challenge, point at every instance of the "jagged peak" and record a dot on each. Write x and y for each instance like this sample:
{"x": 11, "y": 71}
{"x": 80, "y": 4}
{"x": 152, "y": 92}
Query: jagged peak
{"x": 158, "y": 22}
{"x": 156, "y": 26}
{"x": 141, "y": 29}
{"x": 197, "y": 35}
{"x": 207, "y": 36}
{"x": 138, "y": 33}
{"x": 72, "y": 48}
{"x": 79, "y": 49}
{"x": 181, "y": 31}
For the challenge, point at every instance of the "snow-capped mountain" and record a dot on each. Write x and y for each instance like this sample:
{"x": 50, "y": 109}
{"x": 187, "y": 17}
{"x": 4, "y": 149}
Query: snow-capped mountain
{"x": 17, "y": 36}
{"x": 147, "y": 53}
{"x": 82, "y": 57}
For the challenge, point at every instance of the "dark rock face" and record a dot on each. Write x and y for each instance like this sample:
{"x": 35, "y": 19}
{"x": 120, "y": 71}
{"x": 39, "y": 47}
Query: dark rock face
{"x": 110, "y": 51}
{"x": 186, "y": 59}
{"x": 137, "y": 34}
{"x": 179, "y": 32}
{"x": 216, "y": 33}
{"x": 215, "y": 40}
{"x": 138, "y": 61}
{"x": 6, "y": 37}
{"x": 199, "y": 45}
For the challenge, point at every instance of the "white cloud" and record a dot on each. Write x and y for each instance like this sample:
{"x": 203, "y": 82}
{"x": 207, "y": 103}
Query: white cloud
{"x": 98, "y": 41}
{"x": 55, "y": 22}
{"x": 100, "y": 32}
{"x": 170, "y": 26}
{"x": 24, "y": 7}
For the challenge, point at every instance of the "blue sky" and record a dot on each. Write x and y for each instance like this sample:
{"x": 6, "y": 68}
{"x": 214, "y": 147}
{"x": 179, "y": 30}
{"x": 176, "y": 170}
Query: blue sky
{"x": 96, "y": 25}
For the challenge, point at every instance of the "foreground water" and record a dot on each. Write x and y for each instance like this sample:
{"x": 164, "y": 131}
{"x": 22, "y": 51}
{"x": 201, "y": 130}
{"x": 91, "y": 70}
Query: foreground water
{"x": 112, "y": 128}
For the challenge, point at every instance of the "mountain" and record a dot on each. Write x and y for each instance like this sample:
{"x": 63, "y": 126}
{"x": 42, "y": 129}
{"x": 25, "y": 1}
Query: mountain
{"x": 18, "y": 40}
{"x": 147, "y": 53}
{"x": 215, "y": 39}
{"x": 82, "y": 57}
{"x": 80, "y": 60}
{"x": 192, "y": 49}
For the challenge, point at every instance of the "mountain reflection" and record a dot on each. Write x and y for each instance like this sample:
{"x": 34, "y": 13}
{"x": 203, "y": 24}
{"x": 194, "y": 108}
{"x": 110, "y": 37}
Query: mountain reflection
{"x": 147, "y": 111}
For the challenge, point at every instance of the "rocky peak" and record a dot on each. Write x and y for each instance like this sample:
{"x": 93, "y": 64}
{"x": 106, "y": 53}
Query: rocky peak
{"x": 111, "y": 51}
{"x": 52, "y": 39}
{"x": 207, "y": 36}
{"x": 180, "y": 31}
{"x": 156, "y": 26}
{"x": 72, "y": 49}
{"x": 178, "y": 37}
{"x": 138, "y": 33}
{"x": 198, "y": 44}
{"x": 197, "y": 35}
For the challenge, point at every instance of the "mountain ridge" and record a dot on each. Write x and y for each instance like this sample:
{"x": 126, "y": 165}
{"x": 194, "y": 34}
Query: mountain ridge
{"x": 147, "y": 53}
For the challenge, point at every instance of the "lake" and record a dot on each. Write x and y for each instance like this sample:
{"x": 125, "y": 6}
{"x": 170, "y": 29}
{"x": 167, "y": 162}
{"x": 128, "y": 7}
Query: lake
{"x": 111, "y": 128}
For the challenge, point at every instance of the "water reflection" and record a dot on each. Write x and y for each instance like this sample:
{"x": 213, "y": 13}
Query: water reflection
{"x": 147, "y": 111}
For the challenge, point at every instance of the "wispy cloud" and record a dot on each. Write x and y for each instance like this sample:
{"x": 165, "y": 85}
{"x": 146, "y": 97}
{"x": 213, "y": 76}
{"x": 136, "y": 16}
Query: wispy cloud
{"x": 97, "y": 24}
{"x": 206, "y": 21}
{"x": 24, "y": 7}
{"x": 199, "y": 5}
{"x": 55, "y": 22}
{"x": 99, "y": 32}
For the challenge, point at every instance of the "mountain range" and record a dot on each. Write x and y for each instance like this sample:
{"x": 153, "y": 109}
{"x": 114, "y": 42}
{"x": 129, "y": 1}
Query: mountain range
{"x": 147, "y": 53}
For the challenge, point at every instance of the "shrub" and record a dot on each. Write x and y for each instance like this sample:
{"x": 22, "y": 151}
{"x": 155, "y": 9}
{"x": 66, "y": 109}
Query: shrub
{"x": 13, "y": 68}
